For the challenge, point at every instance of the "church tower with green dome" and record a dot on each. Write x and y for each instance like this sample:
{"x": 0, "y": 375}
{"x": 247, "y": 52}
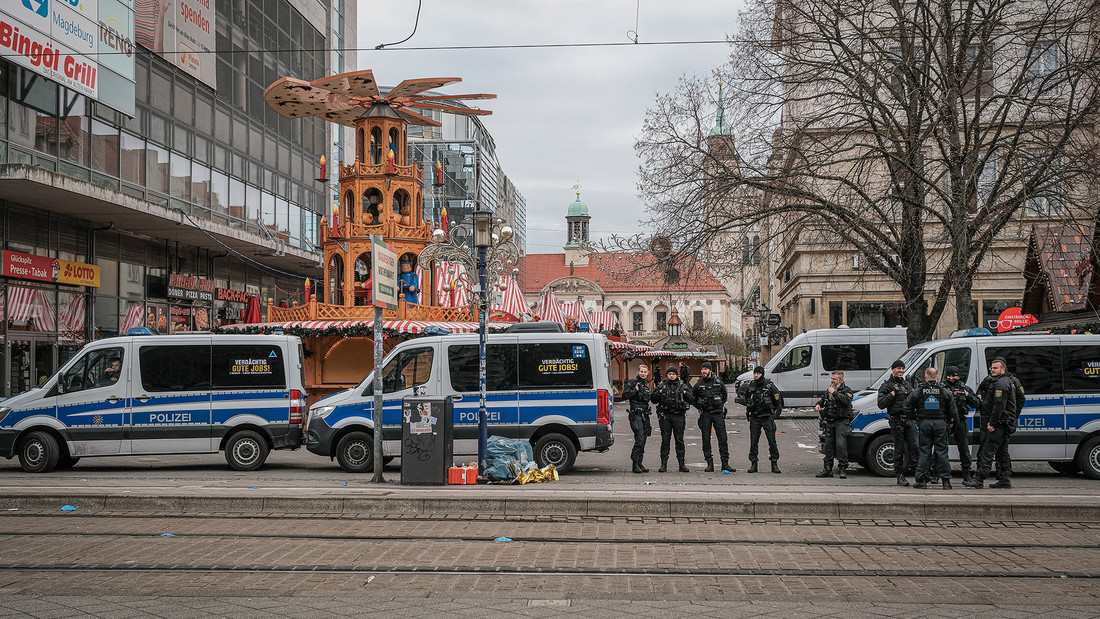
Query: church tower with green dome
{"x": 576, "y": 226}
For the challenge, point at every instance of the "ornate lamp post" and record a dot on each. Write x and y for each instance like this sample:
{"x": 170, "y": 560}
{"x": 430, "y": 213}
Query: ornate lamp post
{"x": 493, "y": 253}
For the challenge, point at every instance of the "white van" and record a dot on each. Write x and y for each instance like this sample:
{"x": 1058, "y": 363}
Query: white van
{"x": 1060, "y": 421}
{"x": 802, "y": 369}
{"x": 162, "y": 394}
{"x": 552, "y": 389}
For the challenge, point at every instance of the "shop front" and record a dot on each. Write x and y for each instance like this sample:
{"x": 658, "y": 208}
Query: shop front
{"x": 44, "y": 315}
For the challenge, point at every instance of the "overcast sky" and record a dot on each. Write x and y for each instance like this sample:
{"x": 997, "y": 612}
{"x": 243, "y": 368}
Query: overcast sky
{"x": 563, "y": 115}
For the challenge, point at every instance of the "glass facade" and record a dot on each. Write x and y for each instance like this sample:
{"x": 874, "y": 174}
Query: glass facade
{"x": 470, "y": 172}
{"x": 187, "y": 143}
{"x": 217, "y": 155}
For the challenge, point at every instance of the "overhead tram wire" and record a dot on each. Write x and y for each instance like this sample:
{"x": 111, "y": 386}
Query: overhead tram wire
{"x": 7, "y": 54}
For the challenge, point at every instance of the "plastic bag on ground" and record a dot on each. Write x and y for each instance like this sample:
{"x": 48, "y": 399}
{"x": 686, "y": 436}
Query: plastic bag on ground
{"x": 506, "y": 458}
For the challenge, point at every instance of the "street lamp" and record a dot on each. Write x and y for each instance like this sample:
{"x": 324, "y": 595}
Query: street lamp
{"x": 495, "y": 254}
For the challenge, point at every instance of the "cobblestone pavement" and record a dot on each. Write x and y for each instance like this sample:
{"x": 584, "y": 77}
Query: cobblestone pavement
{"x": 122, "y": 565}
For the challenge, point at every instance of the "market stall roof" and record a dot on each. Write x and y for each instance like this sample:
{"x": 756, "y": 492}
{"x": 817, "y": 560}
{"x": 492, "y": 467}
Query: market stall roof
{"x": 401, "y": 326}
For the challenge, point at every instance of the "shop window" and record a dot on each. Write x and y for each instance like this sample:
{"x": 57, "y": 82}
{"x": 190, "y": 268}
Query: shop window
{"x": 874, "y": 314}
{"x": 836, "y": 314}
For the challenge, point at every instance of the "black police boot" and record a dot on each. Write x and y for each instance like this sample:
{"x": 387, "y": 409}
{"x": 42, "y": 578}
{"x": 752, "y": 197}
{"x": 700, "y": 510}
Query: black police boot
{"x": 966, "y": 473}
{"x": 709, "y": 469}
{"x": 1003, "y": 482}
{"x": 752, "y": 467}
{"x": 642, "y": 466}
{"x": 775, "y": 467}
{"x": 920, "y": 485}
{"x": 977, "y": 481}
{"x": 825, "y": 472}
{"x": 843, "y": 472}
{"x": 664, "y": 466}
{"x": 902, "y": 481}
{"x": 684, "y": 469}
{"x": 638, "y": 468}
{"x": 946, "y": 483}
{"x": 726, "y": 468}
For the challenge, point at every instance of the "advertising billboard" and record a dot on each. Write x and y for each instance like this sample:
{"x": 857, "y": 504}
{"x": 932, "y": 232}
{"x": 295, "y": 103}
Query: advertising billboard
{"x": 181, "y": 31}
{"x": 76, "y": 43}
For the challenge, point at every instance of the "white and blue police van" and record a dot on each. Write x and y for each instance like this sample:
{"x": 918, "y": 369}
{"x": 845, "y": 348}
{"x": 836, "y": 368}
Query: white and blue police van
{"x": 1060, "y": 420}
{"x": 162, "y": 394}
{"x": 803, "y": 368}
{"x": 551, "y": 389}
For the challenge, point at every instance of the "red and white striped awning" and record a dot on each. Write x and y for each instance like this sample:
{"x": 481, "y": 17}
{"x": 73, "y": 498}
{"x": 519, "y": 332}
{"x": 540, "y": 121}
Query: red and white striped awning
{"x": 576, "y": 311}
{"x": 401, "y": 326}
{"x": 27, "y": 303}
{"x": 549, "y": 309}
{"x": 604, "y": 321}
{"x": 513, "y": 303}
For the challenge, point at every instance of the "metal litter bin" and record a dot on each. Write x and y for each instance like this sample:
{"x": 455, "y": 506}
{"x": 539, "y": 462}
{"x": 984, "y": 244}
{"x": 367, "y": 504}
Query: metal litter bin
{"x": 427, "y": 440}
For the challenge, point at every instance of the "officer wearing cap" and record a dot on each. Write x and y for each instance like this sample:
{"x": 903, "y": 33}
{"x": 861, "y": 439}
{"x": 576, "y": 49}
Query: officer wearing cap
{"x": 931, "y": 404}
{"x": 710, "y": 398}
{"x": 998, "y": 412}
{"x": 636, "y": 391}
{"x": 965, "y": 399}
{"x": 891, "y": 398}
{"x": 761, "y": 399}
{"x": 672, "y": 398}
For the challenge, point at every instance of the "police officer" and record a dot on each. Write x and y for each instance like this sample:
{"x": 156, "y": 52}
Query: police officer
{"x": 761, "y": 399}
{"x": 636, "y": 391}
{"x": 891, "y": 398}
{"x": 835, "y": 408}
{"x": 998, "y": 413}
{"x": 931, "y": 404}
{"x": 672, "y": 398}
{"x": 964, "y": 399}
{"x": 983, "y": 431}
{"x": 710, "y": 398}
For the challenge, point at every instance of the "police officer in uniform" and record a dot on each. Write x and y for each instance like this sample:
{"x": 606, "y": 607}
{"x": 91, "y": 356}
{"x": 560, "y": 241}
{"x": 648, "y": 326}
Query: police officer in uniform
{"x": 998, "y": 413}
{"x": 891, "y": 398}
{"x": 964, "y": 399}
{"x": 761, "y": 399}
{"x": 710, "y": 398}
{"x": 931, "y": 404}
{"x": 835, "y": 408}
{"x": 672, "y": 398}
{"x": 636, "y": 391}
{"x": 983, "y": 431}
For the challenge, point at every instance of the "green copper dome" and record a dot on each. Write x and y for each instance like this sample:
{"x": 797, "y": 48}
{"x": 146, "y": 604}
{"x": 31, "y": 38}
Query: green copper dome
{"x": 577, "y": 208}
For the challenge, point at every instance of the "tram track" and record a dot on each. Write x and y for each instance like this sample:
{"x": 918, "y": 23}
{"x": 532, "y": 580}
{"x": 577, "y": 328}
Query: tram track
{"x": 8, "y": 536}
{"x": 467, "y": 570}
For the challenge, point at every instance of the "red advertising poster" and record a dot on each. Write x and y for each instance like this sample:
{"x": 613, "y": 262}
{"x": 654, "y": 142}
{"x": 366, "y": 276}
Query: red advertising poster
{"x": 45, "y": 269}
{"x": 1014, "y": 318}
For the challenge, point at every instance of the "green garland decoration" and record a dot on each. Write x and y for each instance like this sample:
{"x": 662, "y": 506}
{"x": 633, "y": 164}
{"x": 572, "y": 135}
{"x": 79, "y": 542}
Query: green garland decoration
{"x": 344, "y": 332}
{"x": 1083, "y": 328}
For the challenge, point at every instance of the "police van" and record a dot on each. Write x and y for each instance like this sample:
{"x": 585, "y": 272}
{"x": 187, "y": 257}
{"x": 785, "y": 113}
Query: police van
{"x": 552, "y": 389}
{"x": 1060, "y": 420}
{"x": 154, "y": 394}
{"x": 802, "y": 369}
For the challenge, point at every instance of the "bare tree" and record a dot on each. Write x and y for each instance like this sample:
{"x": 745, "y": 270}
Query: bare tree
{"x": 910, "y": 132}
